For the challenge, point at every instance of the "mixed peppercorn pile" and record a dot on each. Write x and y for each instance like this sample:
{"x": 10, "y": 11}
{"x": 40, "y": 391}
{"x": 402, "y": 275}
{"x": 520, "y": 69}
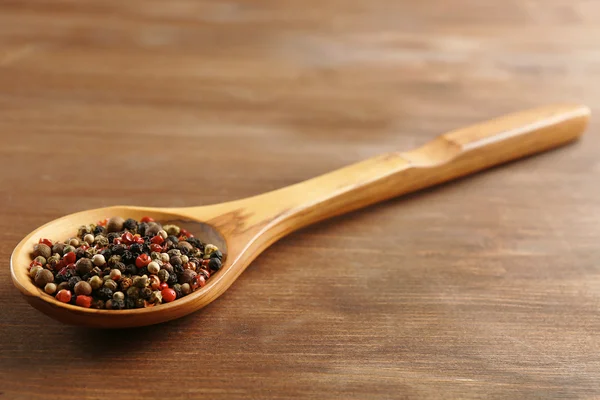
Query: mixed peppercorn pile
{"x": 123, "y": 264}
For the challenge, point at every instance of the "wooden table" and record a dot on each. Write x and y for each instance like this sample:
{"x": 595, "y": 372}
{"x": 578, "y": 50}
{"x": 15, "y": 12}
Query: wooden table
{"x": 487, "y": 287}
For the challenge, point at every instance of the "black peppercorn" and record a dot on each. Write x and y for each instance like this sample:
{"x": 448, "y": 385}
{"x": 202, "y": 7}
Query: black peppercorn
{"x": 143, "y": 271}
{"x": 131, "y": 269}
{"x": 131, "y": 225}
{"x": 178, "y": 269}
{"x": 145, "y": 293}
{"x": 141, "y": 228}
{"x": 129, "y": 303}
{"x": 140, "y": 303}
{"x": 214, "y": 264}
{"x": 120, "y": 266}
{"x": 217, "y": 254}
{"x": 177, "y": 289}
{"x": 73, "y": 281}
{"x": 172, "y": 279}
{"x": 99, "y": 230}
{"x": 112, "y": 236}
{"x": 118, "y": 249}
{"x": 136, "y": 249}
{"x": 106, "y": 253}
{"x": 105, "y": 293}
{"x": 172, "y": 239}
{"x": 193, "y": 241}
{"x": 128, "y": 257}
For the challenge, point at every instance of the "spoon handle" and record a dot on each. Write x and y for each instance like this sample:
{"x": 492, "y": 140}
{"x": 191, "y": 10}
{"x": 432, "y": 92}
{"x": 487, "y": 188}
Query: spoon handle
{"x": 449, "y": 156}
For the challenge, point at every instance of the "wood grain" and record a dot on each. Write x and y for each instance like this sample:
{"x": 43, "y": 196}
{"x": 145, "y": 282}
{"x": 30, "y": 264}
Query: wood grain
{"x": 483, "y": 288}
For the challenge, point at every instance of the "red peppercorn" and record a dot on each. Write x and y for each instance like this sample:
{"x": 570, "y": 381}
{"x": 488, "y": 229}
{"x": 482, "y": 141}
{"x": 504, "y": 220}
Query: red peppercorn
{"x": 185, "y": 232}
{"x": 84, "y": 247}
{"x": 103, "y": 222}
{"x": 157, "y": 239}
{"x": 116, "y": 241}
{"x": 63, "y": 295}
{"x": 70, "y": 257}
{"x": 168, "y": 295}
{"x": 127, "y": 238}
{"x": 34, "y": 263}
{"x": 84, "y": 301}
{"x": 47, "y": 242}
{"x": 147, "y": 219}
{"x": 139, "y": 240}
{"x": 205, "y": 262}
{"x": 156, "y": 247}
{"x": 142, "y": 260}
{"x": 164, "y": 285}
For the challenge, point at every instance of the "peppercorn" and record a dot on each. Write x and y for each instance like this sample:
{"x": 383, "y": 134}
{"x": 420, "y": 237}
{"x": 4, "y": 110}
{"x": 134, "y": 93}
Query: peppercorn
{"x": 187, "y": 276}
{"x": 174, "y": 252}
{"x": 142, "y": 260}
{"x": 128, "y": 257}
{"x": 74, "y": 242}
{"x": 130, "y": 224}
{"x": 84, "y": 266}
{"x": 176, "y": 261}
{"x": 185, "y": 289}
{"x": 108, "y": 304}
{"x": 105, "y": 293}
{"x": 69, "y": 257}
{"x": 168, "y": 295}
{"x": 112, "y": 236}
{"x": 133, "y": 292}
{"x": 156, "y": 297}
{"x": 115, "y": 274}
{"x": 217, "y": 254}
{"x": 58, "y": 248}
{"x": 97, "y": 303}
{"x": 118, "y": 304}
{"x": 118, "y": 296}
{"x": 131, "y": 269}
{"x": 140, "y": 281}
{"x": 34, "y": 270}
{"x": 80, "y": 253}
{"x": 115, "y": 224}
{"x": 178, "y": 291}
{"x": 83, "y": 288}
{"x": 42, "y": 249}
{"x": 99, "y": 230}
{"x": 112, "y": 285}
{"x": 154, "y": 282}
{"x": 43, "y": 277}
{"x": 41, "y": 260}
{"x": 88, "y": 238}
{"x": 141, "y": 228}
{"x": 129, "y": 303}
{"x": 136, "y": 249}
{"x": 184, "y": 247}
{"x": 96, "y": 271}
{"x": 73, "y": 281}
{"x": 209, "y": 249}
{"x": 153, "y": 267}
{"x": 113, "y": 260}
{"x": 145, "y": 293}
{"x": 84, "y": 301}
{"x": 140, "y": 303}
{"x": 172, "y": 279}
{"x": 63, "y": 286}
{"x": 98, "y": 260}
{"x": 50, "y": 288}
{"x": 204, "y": 272}
{"x": 168, "y": 267}
{"x": 152, "y": 229}
{"x": 63, "y": 296}
{"x": 163, "y": 275}
{"x": 214, "y": 264}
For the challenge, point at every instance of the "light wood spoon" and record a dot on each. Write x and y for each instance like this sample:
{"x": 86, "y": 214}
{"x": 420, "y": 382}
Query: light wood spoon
{"x": 244, "y": 228}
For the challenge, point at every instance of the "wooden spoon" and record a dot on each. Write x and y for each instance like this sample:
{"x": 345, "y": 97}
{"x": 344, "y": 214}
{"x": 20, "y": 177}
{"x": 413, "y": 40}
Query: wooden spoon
{"x": 244, "y": 228}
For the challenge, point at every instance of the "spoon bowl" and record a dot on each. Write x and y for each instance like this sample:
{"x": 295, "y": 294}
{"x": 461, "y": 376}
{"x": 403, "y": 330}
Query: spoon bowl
{"x": 242, "y": 229}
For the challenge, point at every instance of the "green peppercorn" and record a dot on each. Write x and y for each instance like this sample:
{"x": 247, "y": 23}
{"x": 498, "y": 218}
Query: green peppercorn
{"x": 43, "y": 277}
{"x": 50, "y": 288}
{"x": 58, "y": 248}
{"x": 83, "y": 288}
{"x": 125, "y": 283}
{"x": 163, "y": 275}
{"x": 110, "y": 284}
{"x": 84, "y": 230}
{"x": 186, "y": 289}
{"x": 118, "y": 296}
{"x": 96, "y": 282}
{"x": 174, "y": 252}
{"x": 156, "y": 297}
{"x": 68, "y": 249}
{"x": 113, "y": 260}
{"x": 177, "y": 289}
{"x": 153, "y": 267}
{"x": 41, "y": 260}
{"x": 140, "y": 281}
{"x": 101, "y": 241}
{"x": 115, "y": 224}
{"x": 53, "y": 260}
{"x": 83, "y": 266}
{"x": 209, "y": 249}
{"x": 172, "y": 230}
{"x": 42, "y": 249}
{"x": 88, "y": 238}
{"x": 155, "y": 256}
{"x": 133, "y": 292}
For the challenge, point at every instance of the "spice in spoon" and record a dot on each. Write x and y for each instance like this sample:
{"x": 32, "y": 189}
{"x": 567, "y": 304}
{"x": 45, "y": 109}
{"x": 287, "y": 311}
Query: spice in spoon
{"x": 123, "y": 264}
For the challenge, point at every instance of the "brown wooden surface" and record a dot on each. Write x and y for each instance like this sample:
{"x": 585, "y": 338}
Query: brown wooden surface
{"x": 489, "y": 287}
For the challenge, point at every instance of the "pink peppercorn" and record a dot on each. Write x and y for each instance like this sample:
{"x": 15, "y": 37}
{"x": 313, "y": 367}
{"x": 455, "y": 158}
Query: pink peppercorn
{"x": 64, "y": 295}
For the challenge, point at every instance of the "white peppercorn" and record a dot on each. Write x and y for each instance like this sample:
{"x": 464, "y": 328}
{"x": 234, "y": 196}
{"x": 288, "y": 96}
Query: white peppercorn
{"x": 99, "y": 260}
{"x": 153, "y": 267}
{"x": 50, "y": 288}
